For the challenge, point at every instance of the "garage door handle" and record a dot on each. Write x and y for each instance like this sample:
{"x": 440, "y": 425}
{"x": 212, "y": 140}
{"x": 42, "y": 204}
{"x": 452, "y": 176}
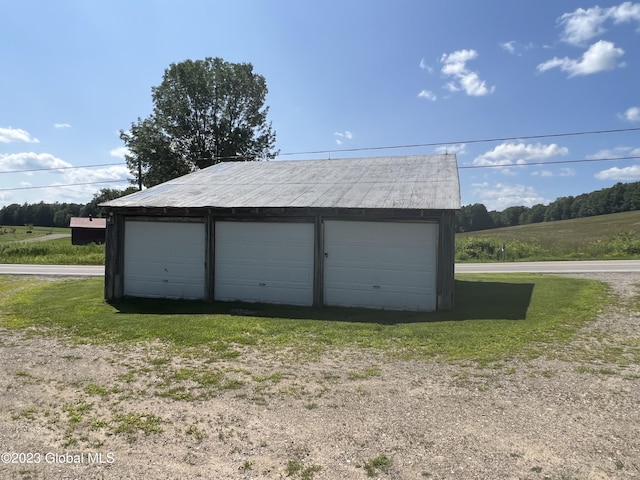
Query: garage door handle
{"x": 262, "y": 284}
{"x": 326, "y": 255}
{"x": 376, "y": 286}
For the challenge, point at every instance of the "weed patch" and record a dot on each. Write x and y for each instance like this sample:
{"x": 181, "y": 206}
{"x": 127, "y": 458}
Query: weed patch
{"x": 381, "y": 463}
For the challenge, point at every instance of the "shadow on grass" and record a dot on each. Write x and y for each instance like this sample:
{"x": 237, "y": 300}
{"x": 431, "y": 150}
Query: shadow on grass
{"x": 474, "y": 301}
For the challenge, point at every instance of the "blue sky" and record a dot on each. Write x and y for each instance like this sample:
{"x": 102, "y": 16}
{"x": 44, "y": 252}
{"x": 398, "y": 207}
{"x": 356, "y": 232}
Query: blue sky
{"x": 341, "y": 75}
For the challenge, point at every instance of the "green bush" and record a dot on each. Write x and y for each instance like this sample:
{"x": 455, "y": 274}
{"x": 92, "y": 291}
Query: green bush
{"x": 619, "y": 245}
{"x": 490, "y": 248}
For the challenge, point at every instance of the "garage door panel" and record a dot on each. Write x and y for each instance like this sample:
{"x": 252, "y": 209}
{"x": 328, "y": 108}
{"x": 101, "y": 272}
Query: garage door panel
{"x": 268, "y": 262}
{"x": 380, "y": 264}
{"x": 164, "y": 259}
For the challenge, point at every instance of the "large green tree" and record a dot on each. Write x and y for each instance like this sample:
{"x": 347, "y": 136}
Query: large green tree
{"x": 204, "y": 112}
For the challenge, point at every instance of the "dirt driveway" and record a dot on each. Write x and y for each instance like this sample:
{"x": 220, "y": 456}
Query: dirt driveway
{"x": 45, "y": 238}
{"x": 88, "y": 412}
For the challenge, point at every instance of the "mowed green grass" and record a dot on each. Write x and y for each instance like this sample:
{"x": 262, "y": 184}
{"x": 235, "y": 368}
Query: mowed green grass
{"x": 20, "y": 233}
{"x": 496, "y": 317}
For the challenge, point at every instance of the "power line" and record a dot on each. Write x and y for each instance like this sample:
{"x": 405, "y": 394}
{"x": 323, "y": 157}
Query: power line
{"x": 48, "y": 169}
{"x": 555, "y": 162}
{"x": 432, "y": 144}
{"x": 389, "y": 147}
{"x": 61, "y": 186}
{"x": 463, "y": 167}
{"x": 484, "y": 140}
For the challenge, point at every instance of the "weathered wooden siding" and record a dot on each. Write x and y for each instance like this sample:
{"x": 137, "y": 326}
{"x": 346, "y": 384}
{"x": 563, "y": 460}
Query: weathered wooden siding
{"x": 84, "y": 236}
{"x": 114, "y": 258}
{"x": 446, "y": 261}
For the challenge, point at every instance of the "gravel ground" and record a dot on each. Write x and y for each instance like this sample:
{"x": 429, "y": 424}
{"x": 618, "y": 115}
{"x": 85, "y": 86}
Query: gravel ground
{"x": 90, "y": 412}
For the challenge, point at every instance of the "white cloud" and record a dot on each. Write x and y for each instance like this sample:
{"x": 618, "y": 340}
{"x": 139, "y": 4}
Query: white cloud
{"x": 599, "y": 57}
{"x": 501, "y": 196}
{"x": 427, "y": 95}
{"x": 456, "y": 149}
{"x": 119, "y": 152}
{"x": 61, "y": 125}
{"x": 582, "y": 25}
{"x": 563, "y": 172}
{"x": 86, "y": 175}
{"x": 509, "y": 46}
{"x": 8, "y": 135}
{"x": 615, "y": 173}
{"x": 513, "y": 153}
{"x": 30, "y": 161}
{"x": 455, "y": 67}
{"x": 116, "y": 176}
{"x": 516, "y": 48}
{"x": 615, "y": 153}
{"x": 425, "y": 66}
{"x": 346, "y": 135}
{"x": 631, "y": 114}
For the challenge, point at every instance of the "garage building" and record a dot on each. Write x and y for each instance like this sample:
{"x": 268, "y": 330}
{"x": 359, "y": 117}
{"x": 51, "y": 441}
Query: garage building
{"x": 362, "y": 232}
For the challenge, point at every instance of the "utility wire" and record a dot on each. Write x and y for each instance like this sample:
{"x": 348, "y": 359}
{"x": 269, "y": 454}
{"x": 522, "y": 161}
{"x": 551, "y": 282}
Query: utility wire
{"x": 48, "y": 169}
{"x": 61, "y": 186}
{"x": 555, "y": 162}
{"x": 484, "y": 140}
{"x": 505, "y": 165}
{"x": 390, "y": 147}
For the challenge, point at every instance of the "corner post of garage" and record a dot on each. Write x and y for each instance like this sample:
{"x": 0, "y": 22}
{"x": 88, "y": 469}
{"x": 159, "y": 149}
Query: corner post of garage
{"x": 209, "y": 267}
{"x": 114, "y": 238}
{"x": 446, "y": 260}
{"x": 318, "y": 263}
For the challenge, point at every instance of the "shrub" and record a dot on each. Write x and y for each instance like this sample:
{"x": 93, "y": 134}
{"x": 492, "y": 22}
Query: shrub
{"x": 490, "y": 248}
{"x": 620, "y": 244}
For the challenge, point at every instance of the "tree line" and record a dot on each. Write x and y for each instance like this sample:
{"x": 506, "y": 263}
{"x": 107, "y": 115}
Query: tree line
{"x": 57, "y": 214}
{"x": 622, "y": 197}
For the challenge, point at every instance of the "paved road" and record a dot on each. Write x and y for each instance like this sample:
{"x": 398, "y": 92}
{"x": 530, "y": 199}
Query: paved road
{"x": 511, "y": 267}
{"x": 584, "y": 266}
{"x": 64, "y": 270}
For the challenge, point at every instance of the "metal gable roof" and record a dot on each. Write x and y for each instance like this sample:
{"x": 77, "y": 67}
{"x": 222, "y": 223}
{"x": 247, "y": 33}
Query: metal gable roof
{"x": 88, "y": 222}
{"x": 405, "y": 182}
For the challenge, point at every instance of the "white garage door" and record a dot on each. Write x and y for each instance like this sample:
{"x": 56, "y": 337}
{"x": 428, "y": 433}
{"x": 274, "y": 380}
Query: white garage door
{"x": 264, "y": 262}
{"x": 164, "y": 259}
{"x": 380, "y": 265}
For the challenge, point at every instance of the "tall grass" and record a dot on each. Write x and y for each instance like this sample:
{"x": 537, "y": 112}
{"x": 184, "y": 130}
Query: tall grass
{"x": 490, "y": 248}
{"x": 52, "y": 252}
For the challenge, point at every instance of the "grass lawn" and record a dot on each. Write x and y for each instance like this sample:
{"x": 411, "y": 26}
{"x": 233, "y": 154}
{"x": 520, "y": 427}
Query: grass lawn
{"x": 496, "y": 317}
{"x": 17, "y": 233}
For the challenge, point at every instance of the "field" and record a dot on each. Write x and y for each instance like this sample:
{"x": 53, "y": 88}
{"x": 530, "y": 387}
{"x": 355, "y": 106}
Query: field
{"x": 18, "y": 246}
{"x": 601, "y": 237}
{"x": 531, "y": 377}
{"x": 19, "y": 233}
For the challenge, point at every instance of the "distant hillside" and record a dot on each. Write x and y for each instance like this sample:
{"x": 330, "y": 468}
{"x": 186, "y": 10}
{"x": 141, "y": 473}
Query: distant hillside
{"x": 616, "y": 235}
{"x": 622, "y": 197}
